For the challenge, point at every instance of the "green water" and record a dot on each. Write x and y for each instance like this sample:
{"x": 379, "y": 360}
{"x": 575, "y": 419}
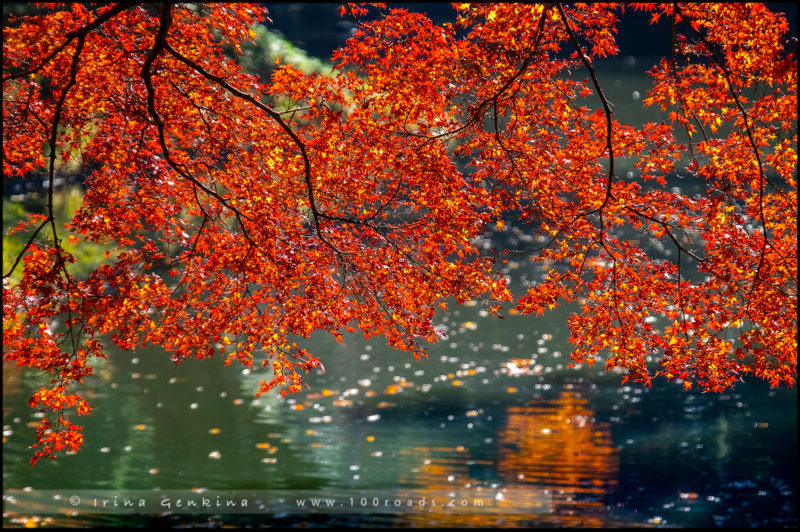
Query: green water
{"x": 494, "y": 415}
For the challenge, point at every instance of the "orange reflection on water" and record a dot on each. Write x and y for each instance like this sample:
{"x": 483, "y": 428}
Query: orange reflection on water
{"x": 558, "y": 447}
{"x": 555, "y": 463}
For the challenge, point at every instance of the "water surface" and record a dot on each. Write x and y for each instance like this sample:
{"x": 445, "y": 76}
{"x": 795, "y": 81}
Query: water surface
{"x": 494, "y": 420}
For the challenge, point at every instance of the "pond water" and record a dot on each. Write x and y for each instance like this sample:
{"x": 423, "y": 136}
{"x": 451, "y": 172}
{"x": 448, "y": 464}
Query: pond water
{"x": 494, "y": 423}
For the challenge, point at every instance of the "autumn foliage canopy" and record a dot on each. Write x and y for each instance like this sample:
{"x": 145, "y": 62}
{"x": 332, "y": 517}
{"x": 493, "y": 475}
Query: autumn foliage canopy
{"x": 242, "y": 213}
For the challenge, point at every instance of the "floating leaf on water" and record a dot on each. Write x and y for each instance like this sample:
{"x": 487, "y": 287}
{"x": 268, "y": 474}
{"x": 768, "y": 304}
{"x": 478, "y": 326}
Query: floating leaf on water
{"x": 213, "y": 431}
{"x": 373, "y": 417}
{"x": 263, "y": 445}
{"x": 216, "y": 455}
{"x": 140, "y": 426}
{"x": 511, "y": 389}
{"x": 153, "y": 471}
{"x": 370, "y": 438}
